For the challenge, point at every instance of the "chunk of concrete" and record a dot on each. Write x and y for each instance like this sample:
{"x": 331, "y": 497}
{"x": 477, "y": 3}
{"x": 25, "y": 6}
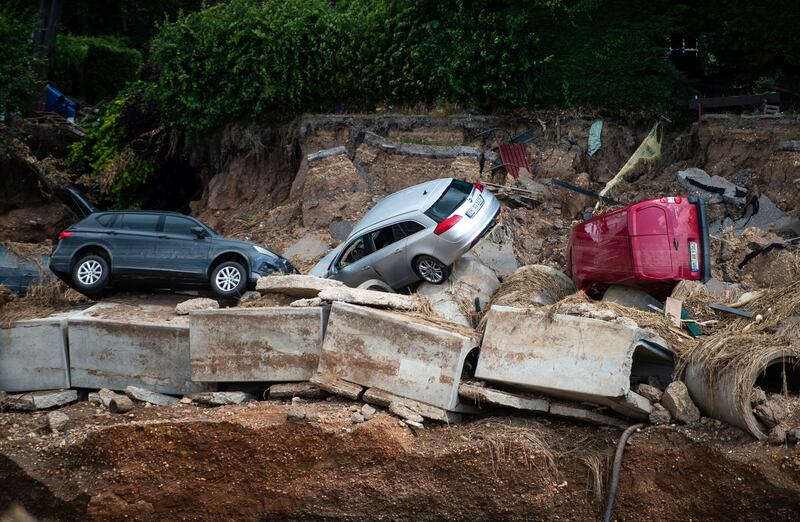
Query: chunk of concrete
{"x": 651, "y": 393}
{"x": 275, "y": 344}
{"x": 115, "y": 345}
{"x": 571, "y": 357}
{"x": 306, "y": 303}
{"x": 383, "y": 398}
{"x": 631, "y": 297}
{"x": 304, "y": 390}
{"x": 221, "y": 398}
{"x": 404, "y": 412}
{"x": 295, "y": 285}
{"x": 659, "y": 415}
{"x": 372, "y": 298}
{"x": 338, "y": 387}
{"x": 576, "y": 412}
{"x": 496, "y": 250}
{"x": 469, "y": 280}
{"x": 714, "y": 189}
{"x": 769, "y": 216}
{"x": 403, "y": 355}
{"x": 43, "y": 400}
{"x": 677, "y": 401}
{"x": 143, "y": 395}
{"x": 193, "y": 305}
{"x": 485, "y": 395}
{"x": 33, "y": 355}
{"x": 57, "y": 421}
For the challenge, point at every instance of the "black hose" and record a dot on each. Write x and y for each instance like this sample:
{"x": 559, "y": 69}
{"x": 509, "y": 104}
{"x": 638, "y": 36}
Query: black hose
{"x": 612, "y": 490}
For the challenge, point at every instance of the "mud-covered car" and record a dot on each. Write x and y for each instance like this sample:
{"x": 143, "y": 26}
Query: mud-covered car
{"x": 413, "y": 234}
{"x": 163, "y": 249}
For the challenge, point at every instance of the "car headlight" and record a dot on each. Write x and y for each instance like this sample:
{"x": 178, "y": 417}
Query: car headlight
{"x": 264, "y": 251}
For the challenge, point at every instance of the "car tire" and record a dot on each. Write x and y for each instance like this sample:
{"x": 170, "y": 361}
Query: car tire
{"x": 431, "y": 270}
{"x": 90, "y": 275}
{"x": 229, "y": 279}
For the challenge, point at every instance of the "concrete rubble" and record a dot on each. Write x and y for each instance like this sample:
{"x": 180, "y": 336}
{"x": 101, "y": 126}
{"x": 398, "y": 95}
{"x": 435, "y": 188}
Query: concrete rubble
{"x": 372, "y": 298}
{"x": 39, "y": 400}
{"x": 556, "y": 355}
{"x": 192, "y": 305}
{"x": 222, "y": 398}
{"x": 57, "y": 421}
{"x": 304, "y": 390}
{"x": 143, "y": 395}
{"x": 679, "y": 404}
{"x": 304, "y": 286}
{"x": 470, "y": 287}
{"x": 714, "y": 189}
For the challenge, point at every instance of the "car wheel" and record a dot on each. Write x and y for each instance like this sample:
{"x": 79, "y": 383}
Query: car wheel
{"x": 431, "y": 270}
{"x": 228, "y": 279}
{"x": 90, "y": 274}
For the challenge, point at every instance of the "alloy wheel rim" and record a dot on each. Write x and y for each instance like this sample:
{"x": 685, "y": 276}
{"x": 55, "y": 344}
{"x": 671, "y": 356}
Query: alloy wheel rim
{"x": 90, "y": 272}
{"x": 431, "y": 271}
{"x": 228, "y": 278}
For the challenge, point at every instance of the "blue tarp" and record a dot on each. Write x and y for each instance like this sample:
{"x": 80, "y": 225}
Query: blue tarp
{"x": 594, "y": 136}
{"x": 57, "y": 102}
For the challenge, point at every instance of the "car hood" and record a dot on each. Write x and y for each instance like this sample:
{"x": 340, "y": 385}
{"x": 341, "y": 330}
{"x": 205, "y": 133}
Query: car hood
{"x": 242, "y": 244}
{"x": 321, "y": 268}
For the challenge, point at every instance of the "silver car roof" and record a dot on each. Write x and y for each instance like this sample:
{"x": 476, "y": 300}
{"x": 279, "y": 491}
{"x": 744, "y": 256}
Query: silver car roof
{"x": 417, "y": 198}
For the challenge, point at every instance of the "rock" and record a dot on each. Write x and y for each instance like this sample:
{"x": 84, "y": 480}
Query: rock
{"x": 370, "y": 298}
{"x": 186, "y": 400}
{"x": 106, "y": 396}
{"x": 120, "y": 404}
{"x": 414, "y": 424}
{"x": 677, "y": 401}
{"x": 307, "y": 249}
{"x": 47, "y": 399}
{"x": 793, "y": 436}
{"x": 295, "y": 414}
{"x": 192, "y": 305}
{"x": 368, "y": 411}
{"x": 250, "y": 295}
{"x": 338, "y": 387}
{"x": 770, "y": 413}
{"x": 714, "y": 189}
{"x": 142, "y": 395}
{"x": 778, "y": 435}
{"x": 404, "y": 412}
{"x": 295, "y": 285}
{"x": 659, "y": 415}
{"x": 221, "y": 398}
{"x": 305, "y": 390}
{"x": 757, "y": 396}
{"x": 631, "y": 297}
{"x": 57, "y": 420}
{"x": 306, "y": 302}
{"x": 356, "y": 417}
{"x": 650, "y": 393}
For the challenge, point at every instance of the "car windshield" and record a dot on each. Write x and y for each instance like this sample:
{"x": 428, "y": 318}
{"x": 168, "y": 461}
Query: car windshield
{"x": 450, "y": 200}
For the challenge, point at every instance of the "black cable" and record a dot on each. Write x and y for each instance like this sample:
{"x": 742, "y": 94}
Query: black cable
{"x": 612, "y": 490}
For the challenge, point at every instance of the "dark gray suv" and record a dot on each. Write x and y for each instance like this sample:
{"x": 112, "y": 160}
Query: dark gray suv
{"x": 158, "y": 248}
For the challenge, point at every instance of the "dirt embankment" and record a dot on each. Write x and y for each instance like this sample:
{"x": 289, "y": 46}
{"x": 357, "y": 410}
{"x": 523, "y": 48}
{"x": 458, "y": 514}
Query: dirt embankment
{"x": 250, "y": 463}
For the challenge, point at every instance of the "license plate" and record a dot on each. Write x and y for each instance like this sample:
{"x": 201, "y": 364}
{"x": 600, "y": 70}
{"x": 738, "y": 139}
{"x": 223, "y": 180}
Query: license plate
{"x": 475, "y": 207}
{"x": 693, "y": 257}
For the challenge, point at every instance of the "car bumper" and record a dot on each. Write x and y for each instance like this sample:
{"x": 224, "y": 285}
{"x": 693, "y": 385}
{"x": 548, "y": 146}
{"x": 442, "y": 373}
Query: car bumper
{"x": 453, "y": 255}
{"x": 263, "y": 266}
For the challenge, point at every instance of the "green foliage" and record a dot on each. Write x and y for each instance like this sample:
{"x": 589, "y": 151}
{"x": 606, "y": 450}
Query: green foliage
{"x": 93, "y": 67}
{"x": 19, "y": 86}
{"x": 105, "y": 152}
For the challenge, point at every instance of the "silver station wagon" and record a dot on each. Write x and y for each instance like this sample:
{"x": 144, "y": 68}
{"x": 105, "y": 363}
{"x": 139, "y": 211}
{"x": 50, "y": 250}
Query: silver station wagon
{"x": 413, "y": 234}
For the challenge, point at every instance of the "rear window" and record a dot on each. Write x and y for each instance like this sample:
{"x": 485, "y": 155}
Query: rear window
{"x": 452, "y": 198}
{"x": 138, "y": 222}
{"x": 408, "y": 228}
{"x": 105, "y": 220}
{"x": 178, "y": 225}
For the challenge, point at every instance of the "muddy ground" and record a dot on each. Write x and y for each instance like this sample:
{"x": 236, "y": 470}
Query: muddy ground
{"x": 249, "y": 462}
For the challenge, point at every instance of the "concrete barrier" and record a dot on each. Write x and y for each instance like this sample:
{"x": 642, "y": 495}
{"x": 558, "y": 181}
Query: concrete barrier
{"x": 572, "y": 357}
{"x": 397, "y": 353}
{"x": 114, "y": 345}
{"x": 256, "y": 344}
{"x": 33, "y": 355}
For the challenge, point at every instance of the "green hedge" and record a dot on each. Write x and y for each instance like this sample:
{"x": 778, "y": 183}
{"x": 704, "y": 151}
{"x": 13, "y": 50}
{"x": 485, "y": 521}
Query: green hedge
{"x": 19, "y": 87}
{"x": 94, "y": 68}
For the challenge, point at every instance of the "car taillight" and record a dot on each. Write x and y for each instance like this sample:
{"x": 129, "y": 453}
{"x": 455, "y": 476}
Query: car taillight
{"x": 676, "y": 199}
{"x": 478, "y": 186}
{"x": 446, "y": 225}
{"x": 64, "y": 234}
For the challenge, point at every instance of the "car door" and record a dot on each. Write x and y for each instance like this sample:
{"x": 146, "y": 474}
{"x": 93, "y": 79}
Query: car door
{"x": 133, "y": 241}
{"x": 180, "y": 252}
{"x": 354, "y": 265}
{"x": 414, "y": 234}
{"x": 389, "y": 256}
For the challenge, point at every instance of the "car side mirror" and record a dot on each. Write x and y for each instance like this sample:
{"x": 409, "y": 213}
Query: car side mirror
{"x": 199, "y": 232}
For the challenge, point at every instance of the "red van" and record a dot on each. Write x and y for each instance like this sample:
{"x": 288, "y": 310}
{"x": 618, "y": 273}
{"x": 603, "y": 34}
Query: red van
{"x": 651, "y": 245}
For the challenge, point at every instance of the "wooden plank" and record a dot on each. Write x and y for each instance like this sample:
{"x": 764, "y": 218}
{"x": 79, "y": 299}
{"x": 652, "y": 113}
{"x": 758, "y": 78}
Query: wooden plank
{"x": 735, "y": 101}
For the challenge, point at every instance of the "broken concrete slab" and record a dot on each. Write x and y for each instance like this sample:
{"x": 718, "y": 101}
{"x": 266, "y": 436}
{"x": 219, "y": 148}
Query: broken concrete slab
{"x": 574, "y": 411}
{"x": 221, "y": 398}
{"x": 678, "y": 403}
{"x": 275, "y": 344}
{"x": 403, "y": 355}
{"x": 768, "y": 217}
{"x": 631, "y": 297}
{"x": 304, "y": 390}
{"x": 116, "y": 344}
{"x": 39, "y": 400}
{"x": 571, "y": 357}
{"x": 374, "y": 298}
{"x": 713, "y": 189}
{"x": 496, "y": 250}
{"x": 383, "y": 398}
{"x": 33, "y": 355}
{"x": 295, "y": 285}
{"x": 305, "y": 303}
{"x": 144, "y": 395}
{"x": 404, "y": 412}
{"x": 651, "y": 393}
{"x": 469, "y": 280}
{"x": 192, "y": 305}
{"x": 337, "y": 386}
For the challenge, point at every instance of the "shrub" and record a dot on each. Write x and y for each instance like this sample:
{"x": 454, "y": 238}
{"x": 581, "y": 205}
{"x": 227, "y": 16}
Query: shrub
{"x": 19, "y": 86}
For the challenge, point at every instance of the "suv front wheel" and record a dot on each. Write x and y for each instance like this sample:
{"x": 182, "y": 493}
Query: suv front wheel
{"x": 229, "y": 279}
{"x": 90, "y": 274}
